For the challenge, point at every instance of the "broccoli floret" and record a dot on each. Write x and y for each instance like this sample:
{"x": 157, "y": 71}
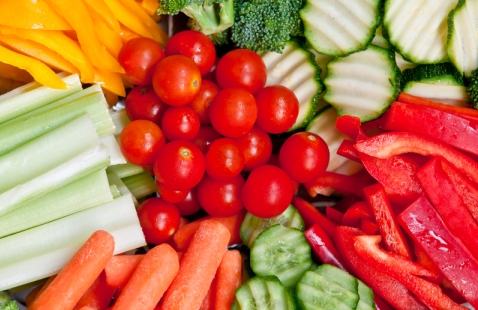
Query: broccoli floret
{"x": 6, "y": 303}
{"x": 208, "y": 16}
{"x": 473, "y": 88}
{"x": 266, "y": 25}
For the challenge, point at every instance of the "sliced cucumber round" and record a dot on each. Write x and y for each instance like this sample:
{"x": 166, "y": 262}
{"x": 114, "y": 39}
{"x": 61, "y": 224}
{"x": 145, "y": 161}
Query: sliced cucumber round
{"x": 366, "y": 301}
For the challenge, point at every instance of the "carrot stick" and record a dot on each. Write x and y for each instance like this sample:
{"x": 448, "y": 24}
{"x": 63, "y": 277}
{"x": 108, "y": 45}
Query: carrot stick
{"x": 227, "y": 281}
{"x": 120, "y": 268}
{"x": 150, "y": 280}
{"x": 198, "y": 267}
{"x": 98, "y": 296}
{"x": 37, "y": 291}
{"x": 207, "y": 303}
{"x": 78, "y": 275}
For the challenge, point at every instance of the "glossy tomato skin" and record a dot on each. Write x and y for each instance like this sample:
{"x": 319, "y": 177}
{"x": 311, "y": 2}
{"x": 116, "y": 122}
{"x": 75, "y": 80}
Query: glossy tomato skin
{"x": 159, "y": 220}
{"x": 304, "y": 156}
{"x": 140, "y": 141}
{"x": 189, "y": 205}
{"x": 277, "y": 109}
{"x": 138, "y": 57}
{"x": 143, "y": 103}
{"x": 180, "y": 123}
{"x": 233, "y": 112}
{"x": 241, "y": 68}
{"x": 194, "y": 45}
{"x": 169, "y": 194}
{"x": 268, "y": 191}
{"x": 256, "y": 148}
{"x": 176, "y": 80}
{"x": 205, "y": 137}
{"x": 203, "y": 99}
{"x": 221, "y": 197}
{"x": 179, "y": 165}
{"x": 224, "y": 159}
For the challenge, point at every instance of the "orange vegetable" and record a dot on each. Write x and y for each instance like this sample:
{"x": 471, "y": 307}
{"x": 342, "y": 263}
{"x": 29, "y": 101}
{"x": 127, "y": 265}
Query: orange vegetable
{"x": 150, "y": 280}
{"x": 146, "y": 19}
{"x": 227, "y": 281}
{"x": 72, "y": 282}
{"x": 208, "y": 302}
{"x": 7, "y": 85}
{"x": 150, "y": 6}
{"x": 198, "y": 267}
{"x": 120, "y": 268}
{"x": 98, "y": 296}
{"x": 127, "y": 34}
{"x": 101, "y": 9}
{"x": 108, "y": 37}
{"x": 13, "y": 73}
{"x": 110, "y": 81}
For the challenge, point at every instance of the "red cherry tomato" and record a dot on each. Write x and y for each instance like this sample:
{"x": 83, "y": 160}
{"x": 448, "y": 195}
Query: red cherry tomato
{"x": 203, "y": 99}
{"x": 189, "y": 205}
{"x": 268, "y": 191}
{"x": 159, "y": 220}
{"x": 233, "y": 112}
{"x": 241, "y": 68}
{"x": 140, "y": 141}
{"x": 205, "y": 137}
{"x": 277, "y": 109}
{"x": 304, "y": 156}
{"x": 179, "y": 165}
{"x": 143, "y": 103}
{"x": 221, "y": 197}
{"x": 256, "y": 148}
{"x": 138, "y": 58}
{"x": 194, "y": 45}
{"x": 224, "y": 159}
{"x": 176, "y": 80}
{"x": 171, "y": 195}
{"x": 180, "y": 123}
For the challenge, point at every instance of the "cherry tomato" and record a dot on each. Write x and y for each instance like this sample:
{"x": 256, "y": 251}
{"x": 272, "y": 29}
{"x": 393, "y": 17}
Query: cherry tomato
{"x": 143, "y": 103}
{"x": 241, "y": 68}
{"x": 268, "y": 191}
{"x": 256, "y": 148}
{"x": 221, "y": 197}
{"x": 159, "y": 220}
{"x": 180, "y": 123}
{"x": 169, "y": 194}
{"x": 189, "y": 205}
{"x": 277, "y": 109}
{"x": 224, "y": 159}
{"x": 138, "y": 58}
{"x": 180, "y": 165}
{"x": 140, "y": 141}
{"x": 233, "y": 112}
{"x": 304, "y": 156}
{"x": 194, "y": 45}
{"x": 176, "y": 80}
{"x": 201, "y": 102}
{"x": 205, "y": 137}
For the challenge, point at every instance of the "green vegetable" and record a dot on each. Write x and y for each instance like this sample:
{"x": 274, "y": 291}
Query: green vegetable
{"x": 125, "y": 170}
{"x": 432, "y": 72}
{"x": 473, "y": 88}
{"x": 7, "y": 303}
{"x": 140, "y": 185}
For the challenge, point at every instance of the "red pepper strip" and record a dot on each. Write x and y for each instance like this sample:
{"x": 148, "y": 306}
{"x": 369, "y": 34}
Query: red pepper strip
{"x": 322, "y": 246}
{"x": 395, "y": 293}
{"x": 385, "y": 218}
{"x": 447, "y": 201}
{"x": 330, "y": 182}
{"x": 355, "y": 214}
{"x": 334, "y": 215}
{"x": 381, "y": 304}
{"x": 423, "y": 259}
{"x": 313, "y": 216}
{"x": 347, "y": 150}
{"x": 348, "y": 125}
{"x": 390, "y": 144}
{"x": 467, "y": 113}
{"x": 369, "y": 227}
{"x": 426, "y": 227}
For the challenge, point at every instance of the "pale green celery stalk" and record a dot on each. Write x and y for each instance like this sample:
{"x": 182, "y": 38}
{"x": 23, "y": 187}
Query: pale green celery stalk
{"x": 140, "y": 185}
{"x": 89, "y": 191}
{"x": 14, "y": 134}
{"x": 46, "y": 152}
{"x": 91, "y": 160}
{"x": 113, "y": 148}
{"x": 120, "y": 119}
{"x": 125, "y": 170}
{"x": 32, "y": 96}
{"x": 116, "y": 181}
{"x": 115, "y": 191}
{"x": 42, "y": 251}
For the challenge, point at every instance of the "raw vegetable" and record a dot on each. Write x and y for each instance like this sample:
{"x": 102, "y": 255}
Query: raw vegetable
{"x": 180, "y": 123}
{"x": 256, "y": 148}
{"x": 313, "y": 216}
{"x": 98, "y": 295}
{"x": 143, "y": 103}
{"x": 221, "y": 197}
{"x": 322, "y": 246}
{"x": 203, "y": 99}
{"x": 125, "y": 170}
{"x": 227, "y": 280}
{"x": 224, "y": 159}
{"x": 7, "y": 303}
{"x": 159, "y": 220}
{"x": 473, "y": 88}
{"x": 120, "y": 268}
{"x": 140, "y": 185}
{"x": 330, "y": 182}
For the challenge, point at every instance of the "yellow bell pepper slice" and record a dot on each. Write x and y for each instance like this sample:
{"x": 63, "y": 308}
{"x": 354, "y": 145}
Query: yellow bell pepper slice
{"x": 150, "y": 6}
{"x": 39, "y": 52}
{"x": 101, "y": 9}
{"x": 110, "y": 81}
{"x": 40, "y": 72}
{"x": 149, "y": 22}
{"x": 77, "y": 15}
{"x": 30, "y": 14}
{"x": 13, "y": 73}
{"x": 108, "y": 37}
{"x": 127, "y": 34}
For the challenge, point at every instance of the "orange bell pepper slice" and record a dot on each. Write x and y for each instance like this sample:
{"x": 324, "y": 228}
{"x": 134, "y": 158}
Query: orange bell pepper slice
{"x": 157, "y": 33}
{"x": 127, "y": 34}
{"x": 110, "y": 38}
{"x": 150, "y": 6}
{"x": 110, "y": 81}
{"x": 100, "y": 8}
{"x": 29, "y": 14}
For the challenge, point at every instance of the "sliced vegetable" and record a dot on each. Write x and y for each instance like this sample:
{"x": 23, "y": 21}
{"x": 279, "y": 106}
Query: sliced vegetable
{"x": 312, "y": 215}
{"x": 125, "y": 170}
{"x": 141, "y": 185}
{"x": 120, "y": 268}
{"x": 98, "y": 295}
{"x": 227, "y": 280}
{"x": 330, "y": 182}
{"x": 322, "y": 246}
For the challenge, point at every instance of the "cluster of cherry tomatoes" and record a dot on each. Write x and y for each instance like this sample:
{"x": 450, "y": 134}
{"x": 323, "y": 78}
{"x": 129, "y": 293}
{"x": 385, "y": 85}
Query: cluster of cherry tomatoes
{"x": 202, "y": 126}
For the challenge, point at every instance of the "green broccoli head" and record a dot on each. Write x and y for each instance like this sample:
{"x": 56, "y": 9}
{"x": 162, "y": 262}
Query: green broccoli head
{"x": 6, "y": 303}
{"x": 171, "y": 7}
{"x": 473, "y": 88}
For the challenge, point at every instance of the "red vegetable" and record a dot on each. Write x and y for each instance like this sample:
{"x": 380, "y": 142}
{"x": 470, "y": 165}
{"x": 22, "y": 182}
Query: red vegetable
{"x": 349, "y": 125}
{"x": 369, "y": 227}
{"x": 205, "y": 137}
{"x": 221, "y": 197}
{"x": 313, "y": 216}
{"x": 171, "y": 195}
{"x": 159, "y": 220}
{"x": 334, "y": 215}
{"x": 180, "y": 123}
{"x": 322, "y": 246}
{"x": 256, "y": 148}
{"x": 203, "y": 99}
{"x": 189, "y": 205}
{"x": 347, "y": 150}
{"x": 143, "y": 103}
{"x": 356, "y": 213}
{"x": 330, "y": 182}
{"x": 224, "y": 159}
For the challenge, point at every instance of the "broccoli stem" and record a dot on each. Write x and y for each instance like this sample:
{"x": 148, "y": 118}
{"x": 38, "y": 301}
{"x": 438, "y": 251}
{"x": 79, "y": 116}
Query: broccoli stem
{"x": 211, "y": 18}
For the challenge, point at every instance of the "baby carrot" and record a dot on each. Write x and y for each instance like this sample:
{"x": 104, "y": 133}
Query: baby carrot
{"x": 98, "y": 296}
{"x": 227, "y": 281}
{"x": 120, "y": 268}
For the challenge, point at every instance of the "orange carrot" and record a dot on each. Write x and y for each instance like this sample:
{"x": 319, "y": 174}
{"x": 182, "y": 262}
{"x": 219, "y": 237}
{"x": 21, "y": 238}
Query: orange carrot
{"x": 37, "y": 291}
{"x": 198, "y": 267}
{"x": 227, "y": 281}
{"x": 150, "y": 280}
{"x": 120, "y": 268}
{"x": 98, "y": 296}
{"x": 78, "y": 275}
{"x": 207, "y": 303}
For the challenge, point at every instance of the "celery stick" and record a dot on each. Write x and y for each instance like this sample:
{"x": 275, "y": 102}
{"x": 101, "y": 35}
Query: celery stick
{"x": 32, "y": 96}
{"x": 48, "y": 151}
{"x": 113, "y": 148}
{"x": 120, "y": 119}
{"x": 115, "y": 191}
{"x": 41, "y": 251}
{"x": 116, "y": 181}
{"x": 140, "y": 185}
{"x": 89, "y": 161}
{"x": 125, "y": 170}
{"x": 87, "y": 192}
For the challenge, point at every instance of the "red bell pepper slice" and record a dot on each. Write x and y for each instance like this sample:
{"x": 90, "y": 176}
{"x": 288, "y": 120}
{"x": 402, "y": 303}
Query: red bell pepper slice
{"x": 390, "y": 144}
{"x": 385, "y": 218}
{"x": 313, "y": 216}
{"x": 330, "y": 182}
{"x": 355, "y": 214}
{"x": 369, "y": 227}
{"x": 322, "y": 246}
{"x": 334, "y": 215}
{"x": 347, "y": 150}
{"x": 395, "y": 293}
{"x": 425, "y": 226}
{"x": 348, "y": 125}
{"x": 422, "y": 258}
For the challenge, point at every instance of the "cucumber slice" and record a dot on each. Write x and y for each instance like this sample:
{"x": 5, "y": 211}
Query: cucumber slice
{"x": 462, "y": 44}
{"x": 366, "y": 296}
{"x": 363, "y": 84}
{"x": 403, "y": 64}
{"x": 263, "y": 294}
{"x": 418, "y": 28}
{"x": 297, "y": 70}
{"x": 282, "y": 252}
{"x": 340, "y": 27}
{"x": 252, "y": 226}
{"x": 379, "y": 39}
